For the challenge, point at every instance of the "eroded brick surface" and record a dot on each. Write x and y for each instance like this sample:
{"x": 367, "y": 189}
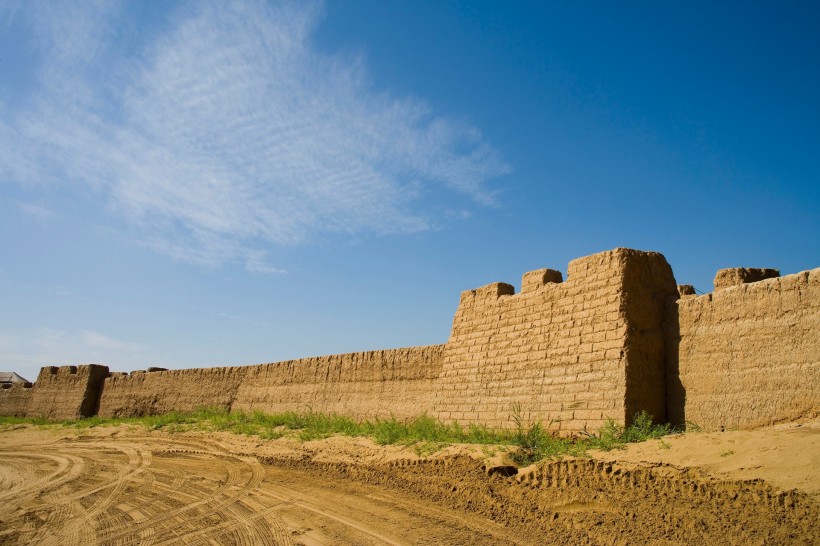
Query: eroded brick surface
{"x": 749, "y": 354}
{"x": 559, "y": 352}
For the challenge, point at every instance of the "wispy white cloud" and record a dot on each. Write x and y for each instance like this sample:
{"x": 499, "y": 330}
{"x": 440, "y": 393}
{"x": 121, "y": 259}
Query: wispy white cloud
{"x": 96, "y": 340}
{"x": 460, "y": 214}
{"x": 229, "y": 132}
{"x": 256, "y": 262}
{"x": 62, "y": 291}
{"x": 238, "y": 318}
{"x": 36, "y": 211}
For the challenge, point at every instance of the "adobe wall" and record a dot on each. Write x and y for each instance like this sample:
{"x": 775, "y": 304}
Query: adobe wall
{"x": 371, "y": 384}
{"x": 749, "y": 354}
{"x": 618, "y": 336}
{"x": 365, "y": 385}
{"x": 14, "y": 399}
{"x": 571, "y": 354}
{"x": 156, "y": 392}
{"x": 66, "y": 392}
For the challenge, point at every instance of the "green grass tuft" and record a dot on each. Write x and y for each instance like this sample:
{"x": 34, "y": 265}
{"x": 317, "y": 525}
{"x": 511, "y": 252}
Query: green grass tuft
{"x": 425, "y": 434}
{"x": 536, "y": 443}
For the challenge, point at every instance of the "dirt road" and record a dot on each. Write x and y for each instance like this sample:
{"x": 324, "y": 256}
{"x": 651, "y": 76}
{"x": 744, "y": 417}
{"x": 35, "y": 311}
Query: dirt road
{"x": 129, "y": 486}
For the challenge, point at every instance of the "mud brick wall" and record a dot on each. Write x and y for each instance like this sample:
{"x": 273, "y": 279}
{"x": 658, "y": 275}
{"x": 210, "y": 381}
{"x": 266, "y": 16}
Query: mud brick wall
{"x": 749, "y": 354}
{"x": 371, "y": 384}
{"x": 156, "y": 392}
{"x": 570, "y": 353}
{"x": 618, "y": 336}
{"x": 14, "y": 399}
{"x": 67, "y": 392}
{"x": 367, "y": 384}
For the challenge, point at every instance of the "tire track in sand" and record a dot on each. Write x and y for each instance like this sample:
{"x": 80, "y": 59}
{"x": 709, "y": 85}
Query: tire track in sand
{"x": 77, "y": 530}
{"x": 247, "y": 528}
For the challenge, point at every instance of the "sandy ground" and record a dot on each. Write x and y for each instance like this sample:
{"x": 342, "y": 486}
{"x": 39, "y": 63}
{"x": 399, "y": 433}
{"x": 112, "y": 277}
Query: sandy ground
{"x": 130, "y": 486}
{"x": 785, "y": 456}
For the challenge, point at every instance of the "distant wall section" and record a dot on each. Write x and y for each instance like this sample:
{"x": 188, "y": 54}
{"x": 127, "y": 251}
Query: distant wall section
{"x": 749, "y": 354}
{"x": 156, "y": 392}
{"x": 67, "y": 392}
{"x": 370, "y": 384}
{"x": 366, "y": 384}
{"x": 14, "y": 399}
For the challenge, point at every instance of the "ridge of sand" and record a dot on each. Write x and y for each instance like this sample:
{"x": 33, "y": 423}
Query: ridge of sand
{"x": 785, "y": 456}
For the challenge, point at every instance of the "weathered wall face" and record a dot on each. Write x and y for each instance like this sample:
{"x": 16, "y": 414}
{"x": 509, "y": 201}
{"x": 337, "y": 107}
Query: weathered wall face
{"x": 369, "y": 384}
{"x": 67, "y": 392}
{"x": 618, "y": 336}
{"x": 153, "y": 393}
{"x": 363, "y": 385}
{"x": 14, "y": 399}
{"x": 749, "y": 354}
{"x": 561, "y": 351}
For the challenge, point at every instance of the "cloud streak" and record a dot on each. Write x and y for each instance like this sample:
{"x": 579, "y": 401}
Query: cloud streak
{"x": 229, "y": 133}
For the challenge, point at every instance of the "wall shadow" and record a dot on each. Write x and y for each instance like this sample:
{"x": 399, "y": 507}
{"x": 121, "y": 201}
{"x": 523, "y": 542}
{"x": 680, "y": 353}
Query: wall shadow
{"x": 675, "y": 391}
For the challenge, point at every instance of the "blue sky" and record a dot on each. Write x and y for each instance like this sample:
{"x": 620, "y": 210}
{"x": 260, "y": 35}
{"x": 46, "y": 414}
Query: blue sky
{"x": 198, "y": 184}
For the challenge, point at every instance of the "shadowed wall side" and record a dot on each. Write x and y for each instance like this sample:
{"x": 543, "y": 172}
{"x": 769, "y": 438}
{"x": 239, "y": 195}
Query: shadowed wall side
{"x": 649, "y": 291}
